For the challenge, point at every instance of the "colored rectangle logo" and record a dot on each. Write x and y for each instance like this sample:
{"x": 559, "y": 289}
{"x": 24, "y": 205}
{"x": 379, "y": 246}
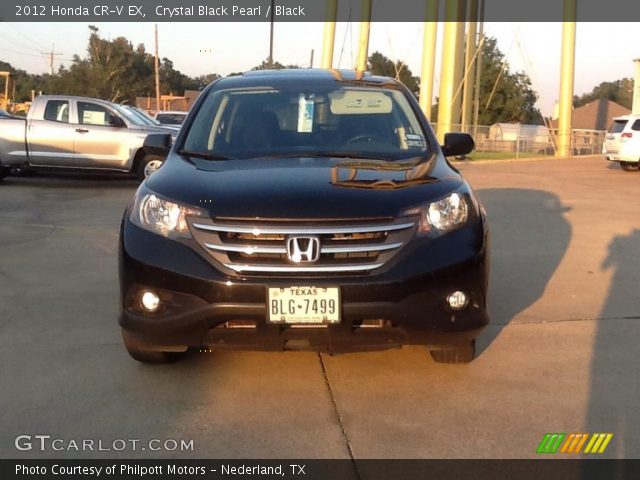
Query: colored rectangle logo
{"x": 571, "y": 443}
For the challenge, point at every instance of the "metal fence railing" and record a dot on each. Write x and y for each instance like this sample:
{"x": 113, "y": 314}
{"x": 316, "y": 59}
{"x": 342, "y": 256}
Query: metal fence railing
{"x": 512, "y": 139}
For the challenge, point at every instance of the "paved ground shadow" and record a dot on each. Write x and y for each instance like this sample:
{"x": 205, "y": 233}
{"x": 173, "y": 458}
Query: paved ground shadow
{"x": 529, "y": 237}
{"x": 613, "y": 403}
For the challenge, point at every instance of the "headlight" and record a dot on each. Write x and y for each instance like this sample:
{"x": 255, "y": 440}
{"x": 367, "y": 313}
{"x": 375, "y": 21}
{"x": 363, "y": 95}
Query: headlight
{"x": 448, "y": 213}
{"x": 444, "y": 215}
{"x": 159, "y": 215}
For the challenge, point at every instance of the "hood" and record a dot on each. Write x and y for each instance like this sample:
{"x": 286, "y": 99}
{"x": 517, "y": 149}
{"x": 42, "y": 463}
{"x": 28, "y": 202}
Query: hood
{"x": 150, "y": 129}
{"x": 306, "y": 188}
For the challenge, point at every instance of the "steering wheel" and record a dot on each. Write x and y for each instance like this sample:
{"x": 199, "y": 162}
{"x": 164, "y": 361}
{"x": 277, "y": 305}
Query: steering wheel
{"x": 370, "y": 137}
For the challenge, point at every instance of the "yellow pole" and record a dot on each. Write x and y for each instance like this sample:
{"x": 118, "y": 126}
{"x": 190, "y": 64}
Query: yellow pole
{"x": 469, "y": 65}
{"x": 6, "y": 92}
{"x": 459, "y": 75}
{"x": 476, "y": 92}
{"x": 566, "y": 77}
{"x": 329, "y": 35}
{"x": 429, "y": 57}
{"x": 448, "y": 85}
{"x": 157, "y": 68}
{"x": 635, "y": 108}
{"x": 365, "y": 27}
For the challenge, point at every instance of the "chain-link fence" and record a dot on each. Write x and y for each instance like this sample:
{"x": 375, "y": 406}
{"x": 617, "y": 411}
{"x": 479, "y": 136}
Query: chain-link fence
{"x": 520, "y": 140}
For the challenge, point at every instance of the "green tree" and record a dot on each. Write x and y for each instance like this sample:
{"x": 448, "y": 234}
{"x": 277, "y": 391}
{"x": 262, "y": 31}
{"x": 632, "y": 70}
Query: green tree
{"x": 618, "y": 91}
{"x": 112, "y": 70}
{"x": 504, "y": 96}
{"x": 381, "y": 65}
{"x": 265, "y": 65}
{"x": 24, "y": 82}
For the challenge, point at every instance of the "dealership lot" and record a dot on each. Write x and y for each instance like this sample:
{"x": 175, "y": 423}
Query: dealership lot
{"x": 560, "y": 356}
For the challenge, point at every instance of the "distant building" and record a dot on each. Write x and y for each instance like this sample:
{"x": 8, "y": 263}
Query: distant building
{"x": 595, "y": 115}
{"x": 512, "y": 137}
{"x": 169, "y": 102}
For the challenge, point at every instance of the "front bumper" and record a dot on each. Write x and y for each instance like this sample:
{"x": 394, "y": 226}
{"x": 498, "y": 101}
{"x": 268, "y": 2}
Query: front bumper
{"x": 403, "y": 303}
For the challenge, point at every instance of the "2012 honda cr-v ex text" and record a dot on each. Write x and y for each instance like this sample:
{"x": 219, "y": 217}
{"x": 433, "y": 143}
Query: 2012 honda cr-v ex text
{"x": 304, "y": 210}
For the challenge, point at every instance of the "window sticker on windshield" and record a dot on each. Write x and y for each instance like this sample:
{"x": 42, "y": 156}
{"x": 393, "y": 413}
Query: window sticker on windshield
{"x": 354, "y": 102}
{"x": 305, "y": 114}
{"x": 414, "y": 140}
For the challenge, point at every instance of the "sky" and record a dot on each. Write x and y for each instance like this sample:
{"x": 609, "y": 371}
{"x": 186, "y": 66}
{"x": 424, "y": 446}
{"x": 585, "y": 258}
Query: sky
{"x": 604, "y": 51}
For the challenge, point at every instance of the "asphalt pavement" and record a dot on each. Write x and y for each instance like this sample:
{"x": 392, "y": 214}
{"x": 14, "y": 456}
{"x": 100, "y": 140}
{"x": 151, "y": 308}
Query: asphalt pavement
{"x": 561, "y": 354}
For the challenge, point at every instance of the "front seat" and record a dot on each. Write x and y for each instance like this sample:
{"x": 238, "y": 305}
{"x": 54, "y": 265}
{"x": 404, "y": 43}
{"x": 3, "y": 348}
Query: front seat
{"x": 260, "y": 131}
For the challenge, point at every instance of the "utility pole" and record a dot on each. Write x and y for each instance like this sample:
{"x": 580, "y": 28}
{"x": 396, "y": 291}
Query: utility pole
{"x": 157, "y": 63}
{"x": 273, "y": 7}
{"x": 311, "y": 59}
{"x": 52, "y": 54}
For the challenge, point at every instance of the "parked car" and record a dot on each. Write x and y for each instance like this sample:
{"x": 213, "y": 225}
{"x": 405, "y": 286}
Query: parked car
{"x": 304, "y": 210}
{"x": 77, "y": 132}
{"x": 622, "y": 143}
{"x": 171, "y": 118}
{"x": 4, "y": 114}
{"x": 145, "y": 118}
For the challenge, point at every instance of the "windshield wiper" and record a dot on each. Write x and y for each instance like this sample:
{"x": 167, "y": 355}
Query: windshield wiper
{"x": 204, "y": 155}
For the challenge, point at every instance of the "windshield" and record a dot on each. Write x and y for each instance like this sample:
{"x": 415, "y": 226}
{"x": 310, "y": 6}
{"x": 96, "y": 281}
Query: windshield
{"x": 125, "y": 112}
{"x": 617, "y": 126}
{"x": 171, "y": 118}
{"x": 146, "y": 119}
{"x": 344, "y": 121}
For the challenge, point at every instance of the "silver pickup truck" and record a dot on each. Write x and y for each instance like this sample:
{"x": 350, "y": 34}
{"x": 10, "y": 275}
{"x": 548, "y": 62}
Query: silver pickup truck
{"x": 80, "y": 133}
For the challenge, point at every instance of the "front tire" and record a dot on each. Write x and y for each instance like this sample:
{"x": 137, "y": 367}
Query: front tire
{"x": 4, "y": 172}
{"x": 143, "y": 352}
{"x": 455, "y": 354}
{"x": 630, "y": 166}
{"x": 148, "y": 165}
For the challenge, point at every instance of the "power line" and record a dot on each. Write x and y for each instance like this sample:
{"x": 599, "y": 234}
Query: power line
{"x": 15, "y": 42}
{"x": 31, "y": 39}
{"x": 21, "y": 53}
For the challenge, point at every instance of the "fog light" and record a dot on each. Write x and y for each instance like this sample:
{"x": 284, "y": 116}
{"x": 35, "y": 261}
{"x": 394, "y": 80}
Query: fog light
{"x": 457, "y": 300}
{"x": 150, "y": 301}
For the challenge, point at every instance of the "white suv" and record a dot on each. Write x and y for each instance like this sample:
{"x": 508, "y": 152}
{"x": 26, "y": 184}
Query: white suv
{"x": 622, "y": 143}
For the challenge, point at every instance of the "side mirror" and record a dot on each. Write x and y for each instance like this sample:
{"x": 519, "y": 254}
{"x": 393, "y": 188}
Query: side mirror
{"x": 158, "y": 144}
{"x": 457, "y": 144}
{"x": 116, "y": 122}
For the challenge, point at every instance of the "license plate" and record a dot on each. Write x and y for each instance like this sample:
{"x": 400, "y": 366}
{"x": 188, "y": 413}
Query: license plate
{"x": 305, "y": 305}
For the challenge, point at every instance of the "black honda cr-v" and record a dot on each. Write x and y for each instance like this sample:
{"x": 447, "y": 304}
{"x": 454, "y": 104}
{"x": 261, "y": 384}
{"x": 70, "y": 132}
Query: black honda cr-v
{"x": 304, "y": 210}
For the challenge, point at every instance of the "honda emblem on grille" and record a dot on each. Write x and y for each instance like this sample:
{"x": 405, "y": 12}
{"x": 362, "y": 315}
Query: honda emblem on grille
{"x": 303, "y": 249}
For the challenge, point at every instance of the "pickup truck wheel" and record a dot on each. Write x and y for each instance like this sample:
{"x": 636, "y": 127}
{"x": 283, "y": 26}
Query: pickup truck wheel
{"x": 630, "y": 166}
{"x": 455, "y": 354}
{"x": 148, "y": 165}
{"x": 4, "y": 172}
{"x": 141, "y": 352}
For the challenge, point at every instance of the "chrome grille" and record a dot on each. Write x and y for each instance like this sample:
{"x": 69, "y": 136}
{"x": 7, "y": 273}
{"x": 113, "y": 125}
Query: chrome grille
{"x": 249, "y": 246}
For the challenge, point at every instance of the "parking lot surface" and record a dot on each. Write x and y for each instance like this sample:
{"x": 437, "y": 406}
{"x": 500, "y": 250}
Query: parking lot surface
{"x": 561, "y": 354}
